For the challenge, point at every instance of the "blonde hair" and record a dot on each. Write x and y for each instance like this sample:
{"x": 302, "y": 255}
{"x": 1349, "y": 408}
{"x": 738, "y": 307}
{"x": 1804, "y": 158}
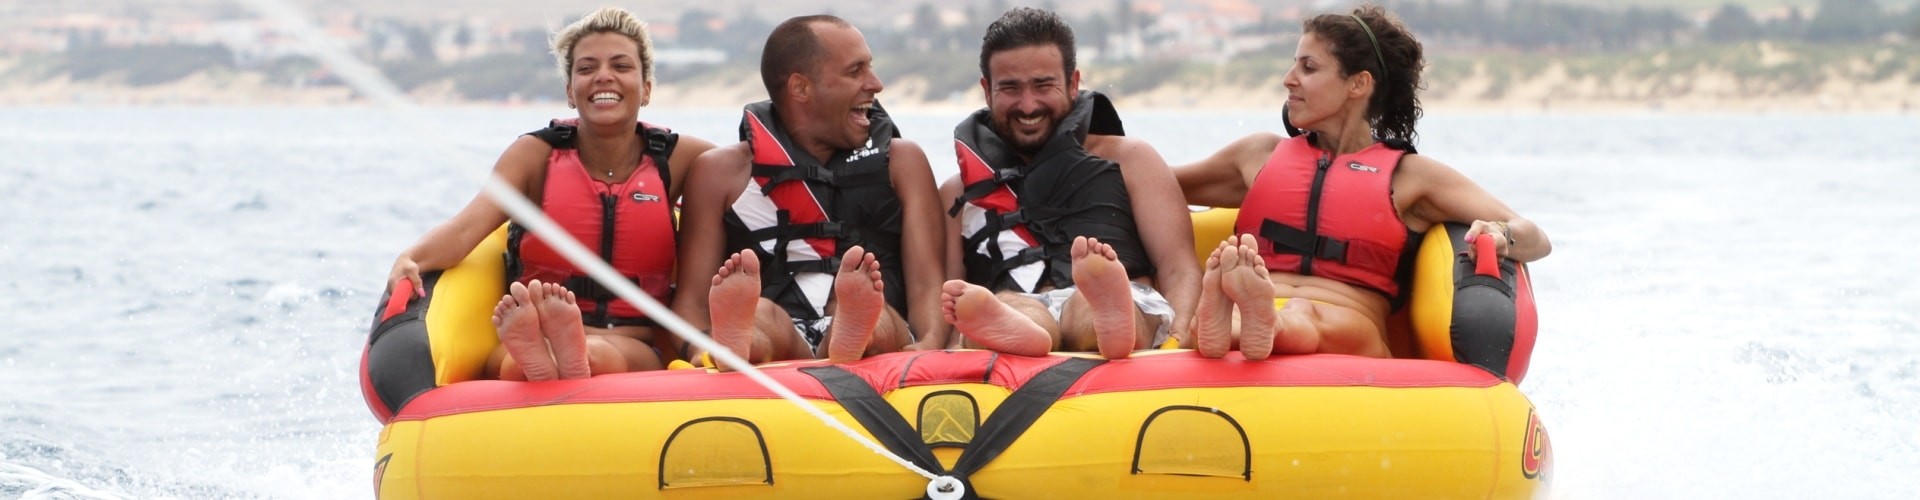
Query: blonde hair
{"x": 605, "y": 20}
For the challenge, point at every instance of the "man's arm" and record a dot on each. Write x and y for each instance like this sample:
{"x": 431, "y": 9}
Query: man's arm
{"x": 922, "y": 243}
{"x": 1165, "y": 225}
{"x": 710, "y": 187}
{"x": 956, "y": 260}
{"x": 680, "y": 165}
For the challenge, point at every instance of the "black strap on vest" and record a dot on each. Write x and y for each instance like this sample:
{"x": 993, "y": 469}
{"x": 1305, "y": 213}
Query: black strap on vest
{"x": 1289, "y": 239}
{"x": 1014, "y": 416}
{"x": 660, "y": 143}
{"x": 584, "y": 286}
{"x": 816, "y": 173}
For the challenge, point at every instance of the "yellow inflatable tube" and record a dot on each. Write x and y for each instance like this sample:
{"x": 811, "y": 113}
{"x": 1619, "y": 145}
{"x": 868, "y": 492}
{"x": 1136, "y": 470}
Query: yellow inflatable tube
{"x": 1163, "y": 424}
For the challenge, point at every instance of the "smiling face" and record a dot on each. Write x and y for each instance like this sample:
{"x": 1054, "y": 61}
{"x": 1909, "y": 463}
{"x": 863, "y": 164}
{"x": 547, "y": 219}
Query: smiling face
{"x": 1028, "y": 93}
{"x": 841, "y": 88}
{"x": 605, "y": 81}
{"x": 1317, "y": 94}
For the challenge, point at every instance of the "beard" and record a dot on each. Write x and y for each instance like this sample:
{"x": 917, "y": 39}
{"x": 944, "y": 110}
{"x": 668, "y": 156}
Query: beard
{"x": 1026, "y": 146}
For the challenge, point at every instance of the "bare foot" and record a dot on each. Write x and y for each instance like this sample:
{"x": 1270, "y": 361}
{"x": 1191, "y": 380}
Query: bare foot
{"x": 560, "y": 323}
{"x": 1213, "y": 316}
{"x": 1103, "y": 281}
{"x": 1296, "y": 332}
{"x": 980, "y": 316}
{"x": 731, "y": 302}
{"x": 859, "y": 298}
{"x": 1243, "y": 277}
{"x": 519, "y": 326}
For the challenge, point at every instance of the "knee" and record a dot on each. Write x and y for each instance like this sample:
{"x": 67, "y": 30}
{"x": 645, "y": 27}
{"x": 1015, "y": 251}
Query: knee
{"x": 605, "y": 357}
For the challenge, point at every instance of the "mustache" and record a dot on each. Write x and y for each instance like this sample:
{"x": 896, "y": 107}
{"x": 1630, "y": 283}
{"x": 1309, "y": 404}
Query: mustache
{"x": 1040, "y": 113}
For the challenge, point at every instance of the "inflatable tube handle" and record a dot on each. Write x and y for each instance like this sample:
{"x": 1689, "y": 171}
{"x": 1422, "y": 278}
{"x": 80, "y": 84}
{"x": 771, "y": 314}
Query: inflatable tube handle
{"x": 1486, "y": 256}
{"x": 397, "y": 299}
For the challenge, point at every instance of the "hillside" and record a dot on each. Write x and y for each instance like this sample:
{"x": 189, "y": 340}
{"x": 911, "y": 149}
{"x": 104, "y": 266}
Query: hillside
{"x": 1754, "y": 76}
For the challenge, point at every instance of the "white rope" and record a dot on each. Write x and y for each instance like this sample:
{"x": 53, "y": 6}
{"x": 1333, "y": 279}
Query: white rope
{"x": 370, "y": 81}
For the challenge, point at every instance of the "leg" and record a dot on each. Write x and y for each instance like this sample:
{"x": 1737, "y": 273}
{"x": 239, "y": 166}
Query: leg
{"x": 1244, "y": 281}
{"x": 501, "y": 366}
{"x": 1147, "y": 322}
{"x": 560, "y": 324}
{"x": 1213, "y": 316}
{"x": 1077, "y": 320}
{"x": 613, "y": 353}
{"x": 770, "y": 336}
{"x": 1306, "y": 327}
{"x": 1108, "y": 298}
{"x": 859, "y": 300}
{"x": 736, "y": 288}
{"x": 891, "y": 334}
{"x": 993, "y": 323}
{"x": 519, "y": 327}
{"x": 603, "y": 357}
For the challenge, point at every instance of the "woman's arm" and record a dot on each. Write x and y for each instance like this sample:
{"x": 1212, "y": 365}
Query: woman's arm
{"x": 1222, "y": 180}
{"x": 1438, "y": 193}
{"x": 445, "y": 245}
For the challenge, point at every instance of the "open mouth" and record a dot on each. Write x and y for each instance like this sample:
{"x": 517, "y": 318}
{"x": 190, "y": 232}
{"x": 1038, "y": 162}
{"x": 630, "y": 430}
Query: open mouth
{"x": 605, "y": 97}
{"x": 1034, "y": 124}
{"x": 858, "y": 115}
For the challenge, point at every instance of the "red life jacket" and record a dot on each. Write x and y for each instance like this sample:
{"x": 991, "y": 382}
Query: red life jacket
{"x": 630, "y": 224}
{"x": 1333, "y": 217}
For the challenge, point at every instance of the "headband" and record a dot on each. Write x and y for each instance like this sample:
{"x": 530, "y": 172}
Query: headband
{"x": 1376, "y": 45}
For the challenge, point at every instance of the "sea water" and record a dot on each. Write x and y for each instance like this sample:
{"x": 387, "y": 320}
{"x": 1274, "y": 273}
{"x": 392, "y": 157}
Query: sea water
{"x": 1729, "y": 311}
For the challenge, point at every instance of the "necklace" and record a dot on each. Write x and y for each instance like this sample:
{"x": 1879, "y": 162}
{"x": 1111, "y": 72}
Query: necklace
{"x": 635, "y": 160}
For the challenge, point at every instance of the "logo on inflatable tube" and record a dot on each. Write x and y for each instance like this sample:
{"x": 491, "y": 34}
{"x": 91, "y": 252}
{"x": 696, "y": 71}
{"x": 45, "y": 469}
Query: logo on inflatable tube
{"x": 1536, "y": 453}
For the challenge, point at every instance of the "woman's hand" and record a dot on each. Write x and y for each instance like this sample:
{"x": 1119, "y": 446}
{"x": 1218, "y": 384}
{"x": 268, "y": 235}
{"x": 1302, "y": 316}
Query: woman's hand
{"x": 405, "y": 268}
{"x": 1502, "y": 235}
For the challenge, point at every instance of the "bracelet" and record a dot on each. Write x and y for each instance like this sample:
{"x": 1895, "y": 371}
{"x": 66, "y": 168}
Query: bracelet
{"x": 1504, "y": 230}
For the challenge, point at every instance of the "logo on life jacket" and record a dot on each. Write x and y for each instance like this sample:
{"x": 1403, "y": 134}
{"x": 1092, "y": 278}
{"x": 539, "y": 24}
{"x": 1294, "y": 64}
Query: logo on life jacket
{"x": 1356, "y": 166}
{"x": 863, "y": 152}
{"x": 645, "y": 197}
{"x": 1536, "y": 452}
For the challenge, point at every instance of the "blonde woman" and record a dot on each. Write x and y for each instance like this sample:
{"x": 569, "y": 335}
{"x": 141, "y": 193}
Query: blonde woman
{"x": 609, "y": 180}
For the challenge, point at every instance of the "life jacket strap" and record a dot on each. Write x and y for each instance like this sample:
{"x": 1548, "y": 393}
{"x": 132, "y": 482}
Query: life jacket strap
{"x": 1289, "y": 239}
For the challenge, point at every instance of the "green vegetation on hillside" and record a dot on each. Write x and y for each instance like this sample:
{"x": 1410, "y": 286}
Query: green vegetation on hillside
{"x": 1505, "y": 42}
{"x": 137, "y": 66}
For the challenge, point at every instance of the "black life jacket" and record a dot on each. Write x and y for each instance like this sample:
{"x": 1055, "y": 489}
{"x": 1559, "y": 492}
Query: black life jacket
{"x": 1019, "y": 219}
{"x": 800, "y": 215}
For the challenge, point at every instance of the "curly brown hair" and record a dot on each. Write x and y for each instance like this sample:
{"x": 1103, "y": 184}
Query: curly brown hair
{"x": 1395, "y": 105}
{"x": 1024, "y": 27}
